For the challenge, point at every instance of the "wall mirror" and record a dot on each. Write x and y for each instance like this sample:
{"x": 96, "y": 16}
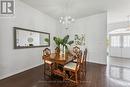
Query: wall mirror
{"x": 25, "y": 38}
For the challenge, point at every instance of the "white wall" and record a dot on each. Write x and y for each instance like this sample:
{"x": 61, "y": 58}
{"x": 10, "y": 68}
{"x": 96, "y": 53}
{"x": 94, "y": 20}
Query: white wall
{"x": 95, "y": 29}
{"x": 13, "y": 61}
{"x": 117, "y": 25}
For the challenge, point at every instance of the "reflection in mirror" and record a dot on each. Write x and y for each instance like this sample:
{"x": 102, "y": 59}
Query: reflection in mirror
{"x": 28, "y": 38}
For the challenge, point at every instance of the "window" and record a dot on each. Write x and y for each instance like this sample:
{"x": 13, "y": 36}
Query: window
{"x": 126, "y": 41}
{"x": 115, "y": 41}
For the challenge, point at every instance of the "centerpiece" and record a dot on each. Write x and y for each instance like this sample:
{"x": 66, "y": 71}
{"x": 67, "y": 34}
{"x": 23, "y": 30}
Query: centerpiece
{"x": 62, "y": 44}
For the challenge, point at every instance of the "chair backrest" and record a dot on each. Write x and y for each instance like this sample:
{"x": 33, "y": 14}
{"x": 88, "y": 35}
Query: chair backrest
{"x": 46, "y": 52}
{"x": 79, "y": 57}
{"x": 84, "y": 55}
{"x": 57, "y": 50}
{"x": 76, "y": 49}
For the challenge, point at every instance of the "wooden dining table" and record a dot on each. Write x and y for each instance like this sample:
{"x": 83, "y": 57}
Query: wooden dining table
{"x": 59, "y": 59}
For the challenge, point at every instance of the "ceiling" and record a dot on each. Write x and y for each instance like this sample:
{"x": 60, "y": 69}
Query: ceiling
{"x": 118, "y": 10}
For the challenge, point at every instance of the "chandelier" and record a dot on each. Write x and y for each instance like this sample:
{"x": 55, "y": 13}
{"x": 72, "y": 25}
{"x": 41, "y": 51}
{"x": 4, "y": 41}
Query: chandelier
{"x": 67, "y": 21}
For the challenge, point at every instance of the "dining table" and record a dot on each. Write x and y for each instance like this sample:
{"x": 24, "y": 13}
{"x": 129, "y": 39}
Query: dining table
{"x": 60, "y": 58}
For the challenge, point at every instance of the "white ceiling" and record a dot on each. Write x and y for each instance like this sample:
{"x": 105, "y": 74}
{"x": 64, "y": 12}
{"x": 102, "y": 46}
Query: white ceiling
{"x": 74, "y": 8}
{"x": 118, "y": 10}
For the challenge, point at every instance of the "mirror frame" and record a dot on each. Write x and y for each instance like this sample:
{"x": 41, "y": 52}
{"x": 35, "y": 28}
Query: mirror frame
{"x": 15, "y": 36}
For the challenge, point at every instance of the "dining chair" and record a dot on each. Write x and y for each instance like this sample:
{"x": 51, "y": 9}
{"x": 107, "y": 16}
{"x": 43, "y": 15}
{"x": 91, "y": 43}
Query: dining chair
{"x": 73, "y": 69}
{"x": 57, "y": 50}
{"x": 76, "y": 49}
{"x": 83, "y": 61}
{"x": 47, "y": 64}
{"x": 57, "y": 71}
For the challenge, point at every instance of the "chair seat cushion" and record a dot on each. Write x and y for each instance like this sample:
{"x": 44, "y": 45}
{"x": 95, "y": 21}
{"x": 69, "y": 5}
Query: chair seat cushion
{"x": 48, "y": 62}
{"x": 70, "y": 65}
{"x": 75, "y": 60}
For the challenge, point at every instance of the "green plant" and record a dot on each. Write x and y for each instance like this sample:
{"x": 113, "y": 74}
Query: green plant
{"x": 65, "y": 41}
{"x": 47, "y": 40}
{"x": 57, "y": 40}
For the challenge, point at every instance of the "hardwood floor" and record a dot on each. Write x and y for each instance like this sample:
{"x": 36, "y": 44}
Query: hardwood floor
{"x": 97, "y": 76}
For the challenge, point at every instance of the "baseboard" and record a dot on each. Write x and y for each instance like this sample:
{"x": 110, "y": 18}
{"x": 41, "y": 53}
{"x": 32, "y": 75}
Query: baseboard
{"x": 97, "y": 63}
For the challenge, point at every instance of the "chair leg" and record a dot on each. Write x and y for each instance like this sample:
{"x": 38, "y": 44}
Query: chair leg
{"x": 82, "y": 67}
{"x": 64, "y": 76}
{"x": 76, "y": 77}
{"x": 82, "y": 70}
{"x": 50, "y": 70}
{"x": 85, "y": 67}
{"x": 44, "y": 70}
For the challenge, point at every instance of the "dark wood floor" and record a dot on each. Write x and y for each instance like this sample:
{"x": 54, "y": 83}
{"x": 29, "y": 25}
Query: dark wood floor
{"x": 96, "y": 76}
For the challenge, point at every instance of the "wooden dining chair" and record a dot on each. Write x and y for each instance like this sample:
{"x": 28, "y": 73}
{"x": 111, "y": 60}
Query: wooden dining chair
{"x": 57, "y": 70}
{"x": 57, "y": 50}
{"x": 47, "y": 64}
{"x": 73, "y": 69}
{"x": 85, "y": 58}
{"x": 83, "y": 61}
{"x": 76, "y": 49}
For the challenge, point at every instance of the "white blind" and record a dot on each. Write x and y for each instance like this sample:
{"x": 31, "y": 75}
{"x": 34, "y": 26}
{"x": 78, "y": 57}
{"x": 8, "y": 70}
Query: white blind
{"x": 115, "y": 41}
{"x": 126, "y": 41}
